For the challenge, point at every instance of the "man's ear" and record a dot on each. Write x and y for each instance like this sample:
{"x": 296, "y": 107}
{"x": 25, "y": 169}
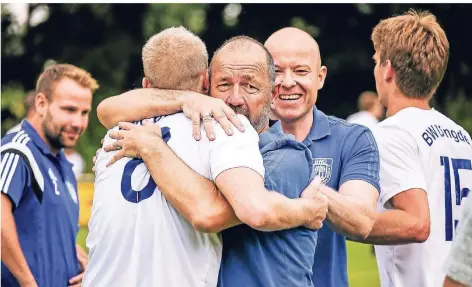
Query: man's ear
{"x": 389, "y": 71}
{"x": 204, "y": 83}
{"x": 41, "y": 104}
{"x": 322, "y": 76}
{"x": 146, "y": 83}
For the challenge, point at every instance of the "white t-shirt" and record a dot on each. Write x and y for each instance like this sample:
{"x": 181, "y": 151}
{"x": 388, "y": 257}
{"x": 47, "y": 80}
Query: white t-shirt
{"x": 149, "y": 243}
{"x": 363, "y": 118}
{"x": 78, "y": 163}
{"x": 422, "y": 149}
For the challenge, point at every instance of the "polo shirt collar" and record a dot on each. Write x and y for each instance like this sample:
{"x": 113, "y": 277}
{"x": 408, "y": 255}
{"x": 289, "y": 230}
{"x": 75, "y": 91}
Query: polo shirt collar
{"x": 38, "y": 141}
{"x": 320, "y": 127}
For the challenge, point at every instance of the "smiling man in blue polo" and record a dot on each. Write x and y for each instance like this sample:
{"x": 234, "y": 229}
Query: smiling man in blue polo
{"x": 344, "y": 155}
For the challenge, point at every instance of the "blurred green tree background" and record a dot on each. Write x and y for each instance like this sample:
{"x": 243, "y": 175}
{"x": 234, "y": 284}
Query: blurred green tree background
{"x": 106, "y": 40}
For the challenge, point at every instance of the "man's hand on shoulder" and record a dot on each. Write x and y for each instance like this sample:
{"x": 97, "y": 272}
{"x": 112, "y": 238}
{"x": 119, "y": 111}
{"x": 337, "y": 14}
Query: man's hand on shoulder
{"x": 133, "y": 140}
{"x": 200, "y": 108}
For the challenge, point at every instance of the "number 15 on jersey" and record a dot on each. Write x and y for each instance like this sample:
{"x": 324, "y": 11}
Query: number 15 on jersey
{"x": 454, "y": 183}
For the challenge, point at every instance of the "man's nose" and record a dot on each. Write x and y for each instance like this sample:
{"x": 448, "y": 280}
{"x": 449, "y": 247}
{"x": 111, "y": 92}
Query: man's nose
{"x": 235, "y": 99}
{"x": 287, "y": 80}
{"x": 77, "y": 121}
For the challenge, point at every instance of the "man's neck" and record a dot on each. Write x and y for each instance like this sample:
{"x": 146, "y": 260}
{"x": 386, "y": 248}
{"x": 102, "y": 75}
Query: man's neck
{"x": 263, "y": 128}
{"x": 38, "y": 126}
{"x": 400, "y": 102}
{"x": 299, "y": 128}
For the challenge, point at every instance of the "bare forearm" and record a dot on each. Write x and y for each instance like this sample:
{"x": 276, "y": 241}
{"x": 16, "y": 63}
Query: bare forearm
{"x": 138, "y": 104}
{"x": 394, "y": 227}
{"x": 81, "y": 251}
{"x": 284, "y": 213}
{"x": 348, "y": 215}
{"x": 261, "y": 209}
{"x": 12, "y": 255}
{"x": 82, "y": 255}
{"x": 198, "y": 199}
{"x": 449, "y": 282}
{"x": 195, "y": 197}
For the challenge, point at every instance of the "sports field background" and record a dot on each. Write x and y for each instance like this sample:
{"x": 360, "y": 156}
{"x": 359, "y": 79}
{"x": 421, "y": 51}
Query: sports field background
{"x": 362, "y": 268}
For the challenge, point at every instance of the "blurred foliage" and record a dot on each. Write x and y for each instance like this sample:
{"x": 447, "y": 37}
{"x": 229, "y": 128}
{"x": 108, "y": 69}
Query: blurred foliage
{"x": 12, "y": 99}
{"x": 159, "y": 16}
{"x": 106, "y": 40}
{"x": 459, "y": 110}
{"x": 12, "y": 103}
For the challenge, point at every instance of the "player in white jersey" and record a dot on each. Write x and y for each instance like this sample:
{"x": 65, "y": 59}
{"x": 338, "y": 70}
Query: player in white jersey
{"x": 425, "y": 158}
{"x": 424, "y": 150}
{"x": 134, "y": 243}
{"x": 138, "y": 234}
{"x": 136, "y": 238}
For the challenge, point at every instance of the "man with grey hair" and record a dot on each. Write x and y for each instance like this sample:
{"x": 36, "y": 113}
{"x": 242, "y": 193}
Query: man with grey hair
{"x": 165, "y": 227}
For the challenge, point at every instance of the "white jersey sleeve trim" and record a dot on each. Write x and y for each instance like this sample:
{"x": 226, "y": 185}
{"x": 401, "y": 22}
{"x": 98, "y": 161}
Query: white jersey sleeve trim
{"x": 23, "y": 149}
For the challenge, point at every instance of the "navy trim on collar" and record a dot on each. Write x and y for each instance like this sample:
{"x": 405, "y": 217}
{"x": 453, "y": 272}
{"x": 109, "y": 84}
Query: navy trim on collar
{"x": 320, "y": 127}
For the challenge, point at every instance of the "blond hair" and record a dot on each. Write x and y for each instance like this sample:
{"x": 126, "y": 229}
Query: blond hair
{"x": 418, "y": 49}
{"x": 174, "y": 59}
{"x": 55, "y": 73}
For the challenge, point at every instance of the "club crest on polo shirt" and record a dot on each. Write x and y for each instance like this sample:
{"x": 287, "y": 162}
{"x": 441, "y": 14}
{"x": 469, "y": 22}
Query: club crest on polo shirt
{"x": 323, "y": 168}
{"x": 72, "y": 191}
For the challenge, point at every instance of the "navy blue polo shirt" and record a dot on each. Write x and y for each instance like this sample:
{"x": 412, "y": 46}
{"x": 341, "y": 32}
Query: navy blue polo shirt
{"x": 281, "y": 258}
{"x": 43, "y": 192}
{"x": 341, "y": 151}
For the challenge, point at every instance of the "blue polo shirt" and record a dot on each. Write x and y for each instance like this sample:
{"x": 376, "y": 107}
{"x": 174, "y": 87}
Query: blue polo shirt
{"x": 282, "y": 258}
{"x": 341, "y": 152}
{"x": 43, "y": 192}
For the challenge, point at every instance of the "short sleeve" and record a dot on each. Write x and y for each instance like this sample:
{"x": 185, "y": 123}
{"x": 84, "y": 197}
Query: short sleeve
{"x": 459, "y": 263}
{"x": 400, "y": 165}
{"x": 14, "y": 178}
{"x": 239, "y": 150}
{"x": 361, "y": 161}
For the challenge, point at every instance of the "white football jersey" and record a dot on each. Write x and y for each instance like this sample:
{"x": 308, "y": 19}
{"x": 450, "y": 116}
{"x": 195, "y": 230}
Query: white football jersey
{"x": 422, "y": 149}
{"x": 136, "y": 238}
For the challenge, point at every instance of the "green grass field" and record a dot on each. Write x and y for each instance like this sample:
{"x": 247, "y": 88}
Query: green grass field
{"x": 362, "y": 268}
